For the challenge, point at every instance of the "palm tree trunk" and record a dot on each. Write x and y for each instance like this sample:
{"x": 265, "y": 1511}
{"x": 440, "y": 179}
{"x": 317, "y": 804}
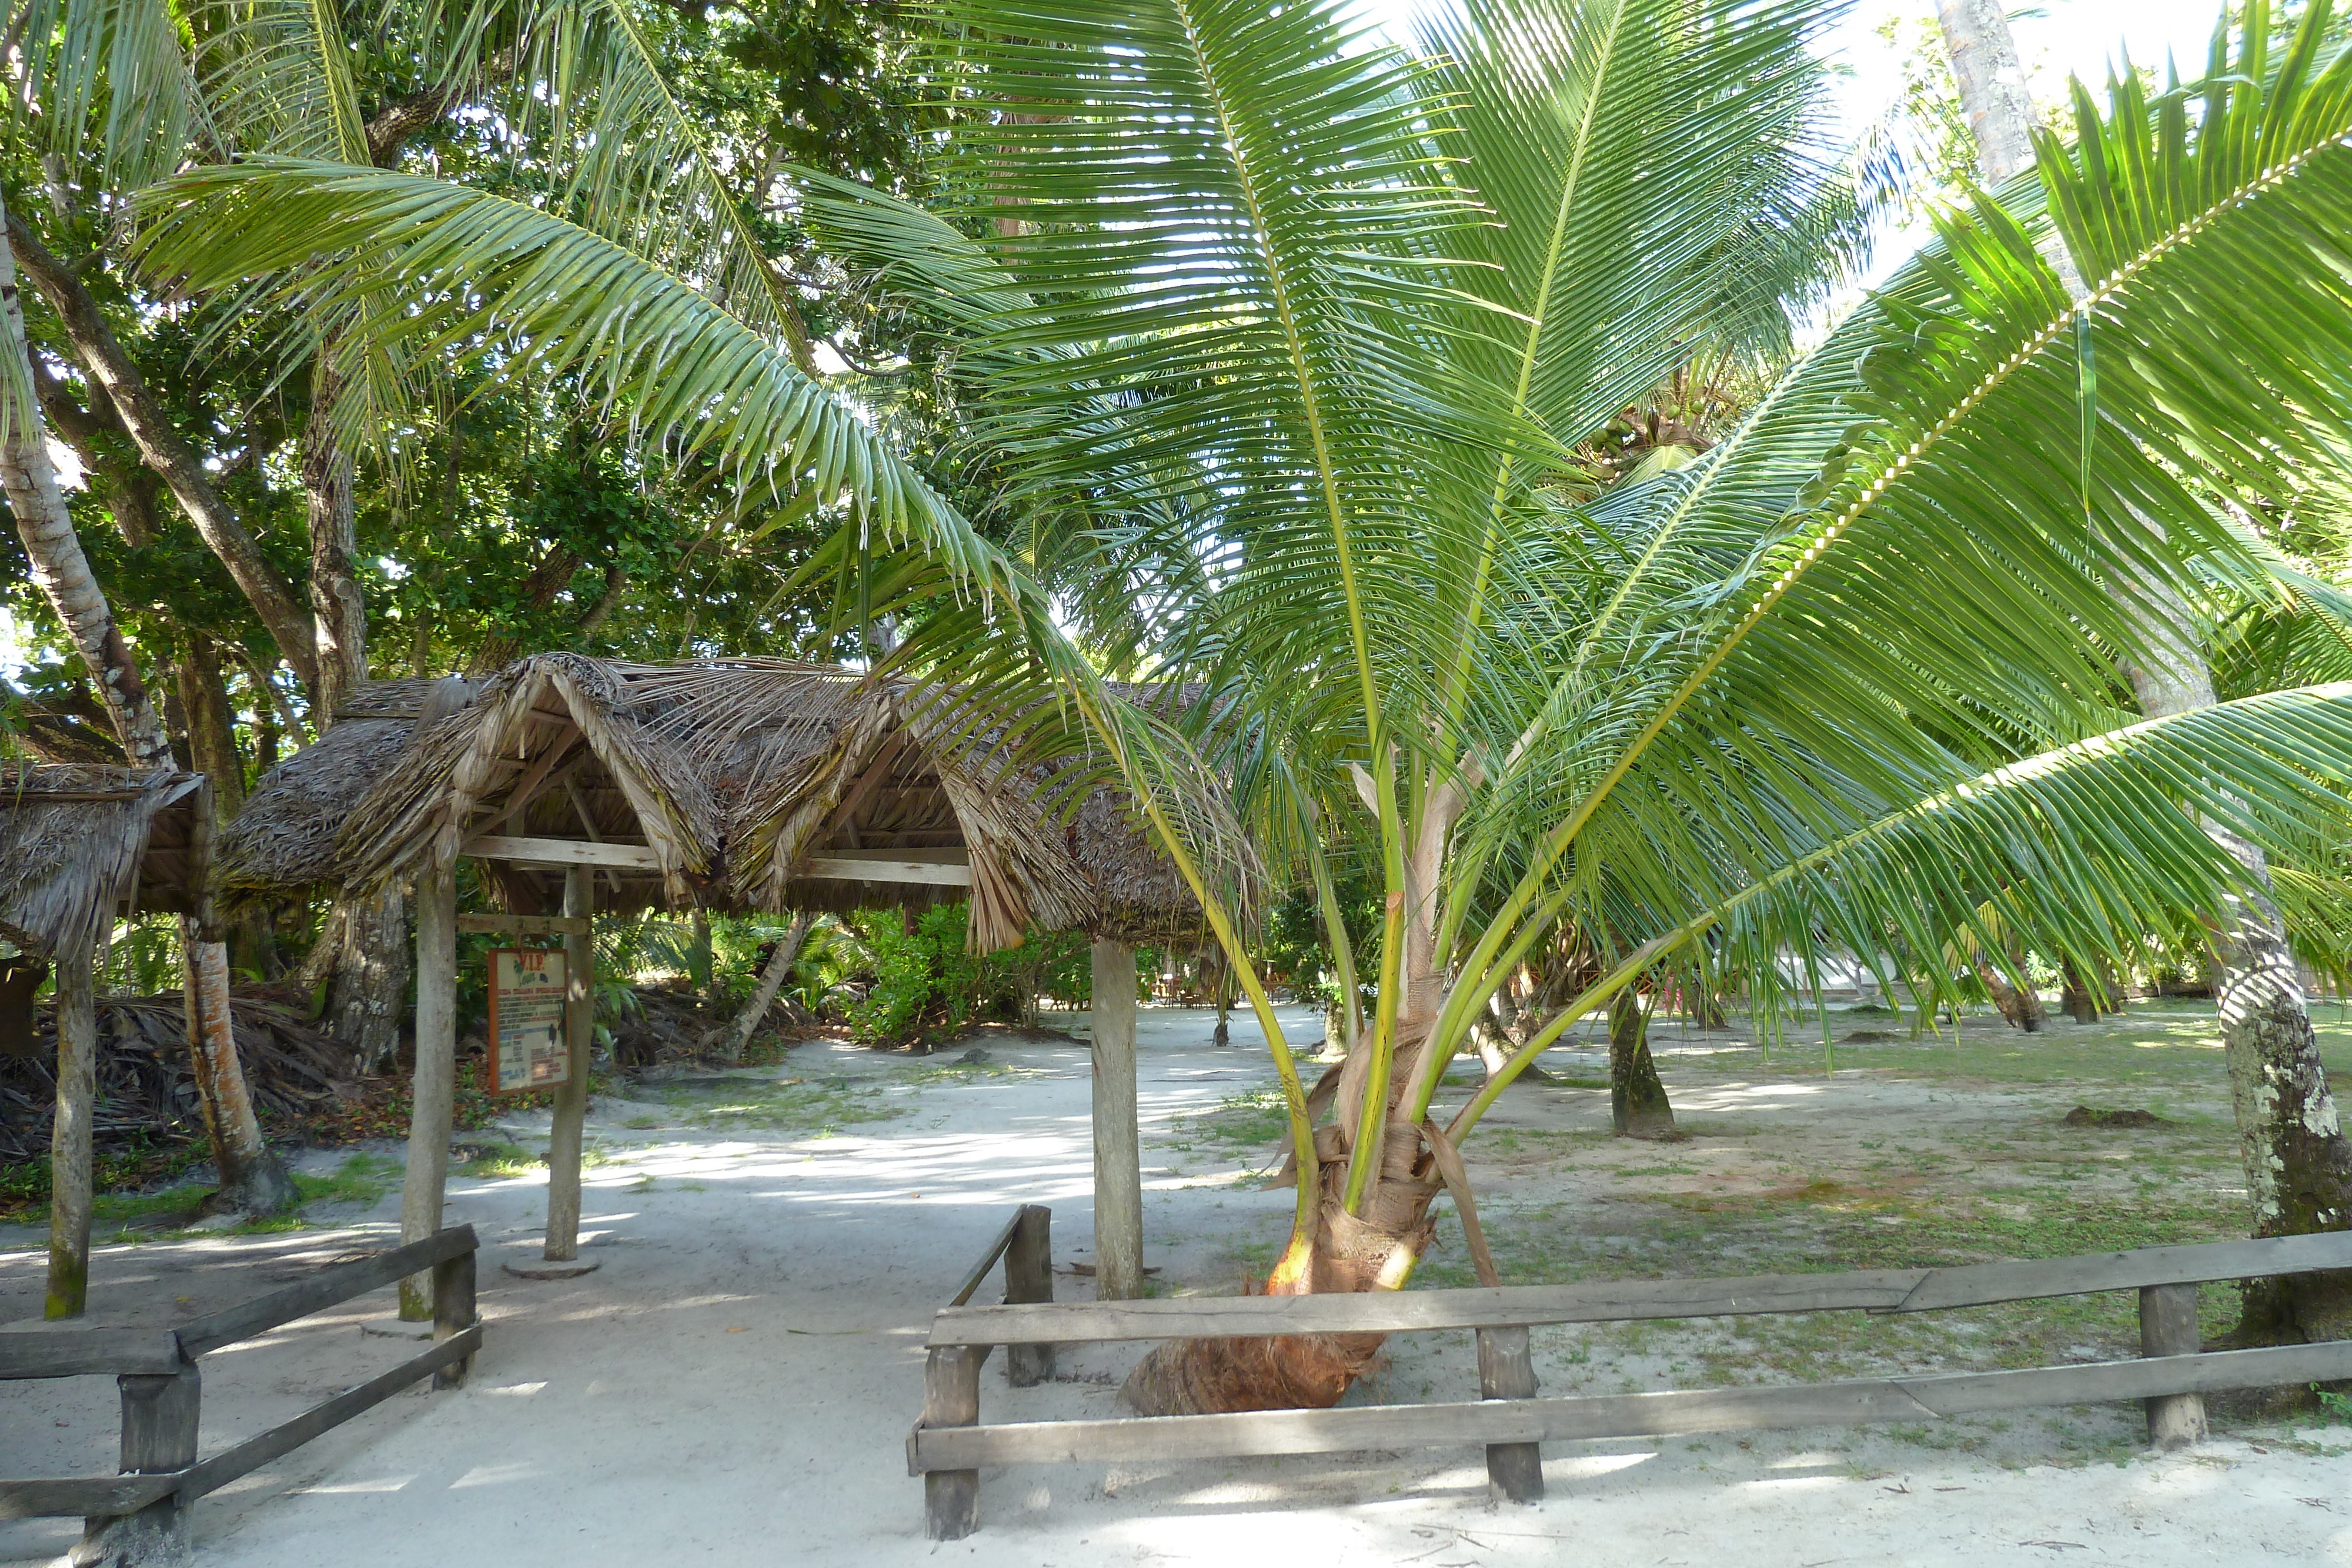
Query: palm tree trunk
{"x": 2297, "y": 1160}
{"x": 771, "y": 980}
{"x": 252, "y": 1179}
{"x": 1638, "y": 1107}
{"x": 63, "y": 573}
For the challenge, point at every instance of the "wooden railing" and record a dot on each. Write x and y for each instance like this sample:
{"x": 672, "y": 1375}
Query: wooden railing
{"x": 142, "y": 1512}
{"x": 952, "y": 1381}
{"x": 948, "y": 1445}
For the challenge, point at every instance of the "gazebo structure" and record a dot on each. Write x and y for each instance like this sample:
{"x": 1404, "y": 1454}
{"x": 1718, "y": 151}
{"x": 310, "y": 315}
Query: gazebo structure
{"x": 81, "y": 845}
{"x": 582, "y": 785}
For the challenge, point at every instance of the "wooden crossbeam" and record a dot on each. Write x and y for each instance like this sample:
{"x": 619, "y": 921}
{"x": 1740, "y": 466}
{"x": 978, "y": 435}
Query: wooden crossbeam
{"x": 1861, "y": 1401}
{"x": 526, "y": 925}
{"x": 562, "y": 851}
{"x": 1625, "y": 1301}
{"x": 892, "y": 865}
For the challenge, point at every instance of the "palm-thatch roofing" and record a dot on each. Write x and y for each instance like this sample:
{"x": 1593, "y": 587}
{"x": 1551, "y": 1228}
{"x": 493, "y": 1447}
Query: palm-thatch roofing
{"x": 80, "y": 842}
{"x": 743, "y": 778}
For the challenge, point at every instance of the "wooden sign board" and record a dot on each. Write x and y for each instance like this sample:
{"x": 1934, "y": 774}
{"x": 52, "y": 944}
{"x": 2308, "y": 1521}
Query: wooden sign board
{"x": 528, "y": 1048}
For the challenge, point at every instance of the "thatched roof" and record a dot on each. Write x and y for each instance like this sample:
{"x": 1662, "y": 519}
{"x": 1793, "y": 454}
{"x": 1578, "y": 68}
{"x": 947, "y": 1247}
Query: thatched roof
{"x": 79, "y": 843}
{"x": 736, "y": 775}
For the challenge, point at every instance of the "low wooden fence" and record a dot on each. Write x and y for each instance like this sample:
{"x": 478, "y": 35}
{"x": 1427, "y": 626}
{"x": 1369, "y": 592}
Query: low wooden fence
{"x": 948, "y": 1445}
{"x": 141, "y": 1513}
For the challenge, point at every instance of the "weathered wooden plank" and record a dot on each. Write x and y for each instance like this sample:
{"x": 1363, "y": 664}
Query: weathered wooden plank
{"x": 1891, "y": 1290}
{"x": 524, "y": 925}
{"x": 2167, "y": 1326}
{"x": 87, "y": 1497}
{"x": 972, "y": 1281}
{"x": 284, "y": 1438}
{"x": 160, "y": 1417}
{"x": 561, "y": 852}
{"x": 82, "y": 1352}
{"x": 1029, "y": 1277}
{"x": 1616, "y": 1415}
{"x": 1395, "y": 1312}
{"x": 951, "y": 1400}
{"x": 882, "y": 866}
{"x": 1982, "y": 1284}
{"x": 325, "y": 1289}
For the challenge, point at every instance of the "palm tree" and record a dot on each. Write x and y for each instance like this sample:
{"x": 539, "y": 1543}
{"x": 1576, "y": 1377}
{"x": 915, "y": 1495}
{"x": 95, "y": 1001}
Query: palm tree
{"x": 1300, "y": 330}
{"x": 2298, "y": 1175}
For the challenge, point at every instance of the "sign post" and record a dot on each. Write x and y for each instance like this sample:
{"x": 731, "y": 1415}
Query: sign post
{"x": 528, "y": 1046}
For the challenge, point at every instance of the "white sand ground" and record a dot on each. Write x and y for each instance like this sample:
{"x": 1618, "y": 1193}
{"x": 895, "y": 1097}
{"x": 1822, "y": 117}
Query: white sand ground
{"x": 734, "y": 1384}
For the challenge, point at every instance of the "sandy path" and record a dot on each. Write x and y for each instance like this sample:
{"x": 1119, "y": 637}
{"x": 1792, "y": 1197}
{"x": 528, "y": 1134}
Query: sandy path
{"x": 734, "y": 1384}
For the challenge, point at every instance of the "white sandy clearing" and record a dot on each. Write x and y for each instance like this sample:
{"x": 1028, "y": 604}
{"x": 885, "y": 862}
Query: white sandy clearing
{"x": 734, "y": 1384}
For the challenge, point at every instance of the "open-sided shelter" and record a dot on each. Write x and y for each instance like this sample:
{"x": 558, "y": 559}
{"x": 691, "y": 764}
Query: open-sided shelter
{"x": 589, "y": 785}
{"x": 80, "y": 846}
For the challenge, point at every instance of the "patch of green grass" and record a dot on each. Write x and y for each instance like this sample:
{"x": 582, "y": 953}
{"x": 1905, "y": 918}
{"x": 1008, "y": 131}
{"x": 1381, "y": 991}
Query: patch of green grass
{"x": 643, "y": 1124}
{"x": 790, "y": 1105}
{"x": 362, "y": 1179}
{"x": 503, "y": 1162}
{"x": 1254, "y": 1119}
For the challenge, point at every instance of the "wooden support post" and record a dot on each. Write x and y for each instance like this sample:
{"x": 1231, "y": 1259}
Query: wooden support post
{"x": 1119, "y": 1158}
{"x": 453, "y": 1312}
{"x": 572, "y": 1095}
{"x": 432, "y": 1092}
{"x": 952, "y": 1398}
{"x": 1506, "y": 1370}
{"x": 69, "y": 1138}
{"x": 1029, "y": 1277}
{"x": 159, "y": 1434}
{"x": 2167, "y": 1326}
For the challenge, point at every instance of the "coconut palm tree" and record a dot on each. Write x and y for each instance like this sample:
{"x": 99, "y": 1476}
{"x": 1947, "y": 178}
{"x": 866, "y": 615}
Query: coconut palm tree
{"x": 1289, "y": 335}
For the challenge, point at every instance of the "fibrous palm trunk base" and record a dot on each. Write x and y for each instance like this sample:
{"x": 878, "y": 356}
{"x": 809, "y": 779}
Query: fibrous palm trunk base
{"x": 1373, "y": 1250}
{"x": 1638, "y": 1106}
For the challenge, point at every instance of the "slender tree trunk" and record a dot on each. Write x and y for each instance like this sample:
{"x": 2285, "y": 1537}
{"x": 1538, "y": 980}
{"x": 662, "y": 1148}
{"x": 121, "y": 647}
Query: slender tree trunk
{"x": 163, "y": 451}
{"x": 1638, "y": 1107}
{"x": 338, "y": 606}
{"x": 773, "y": 976}
{"x": 433, "y": 1091}
{"x": 1119, "y": 1175}
{"x": 70, "y": 1194}
{"x": 252, "y": 1179}
{"x": 2297, "y": 1160}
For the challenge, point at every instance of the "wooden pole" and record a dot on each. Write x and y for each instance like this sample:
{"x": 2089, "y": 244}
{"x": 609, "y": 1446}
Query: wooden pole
{"x": 952, "y": 1398}
{"x": 1029, "y": 1277}
{"x": 433, "y": 1091}
{"x": 1506, "y": 1370}
{"x": 69, "y": 1138}
{"x": 1119, "y": 1158}
{"x": 779, "y": 969}
{"x": 2167, "y": 1326}
{"x": 160, "y": 1417}
{"x": 572, "y": 1095}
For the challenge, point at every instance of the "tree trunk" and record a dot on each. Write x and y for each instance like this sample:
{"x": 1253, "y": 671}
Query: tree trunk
{"x": 70, "y": 1194}
{"x": 773, "y": 976}
{"x": 337, "y": 607}
{"x": 163, "y": 451}
{"x": 369, "y": 991}
{"x": 2022, "y": 1008}
{"x": 60, "y": 569}
{"x": 2076, "y": 997}
{"x": 2297, "y": 1160}
{"x": 252, "y": 1179}
{"x": 1638, "y": 1107}
{"x": 1119, "y": 1174}
{"x": 433, "y": 1089}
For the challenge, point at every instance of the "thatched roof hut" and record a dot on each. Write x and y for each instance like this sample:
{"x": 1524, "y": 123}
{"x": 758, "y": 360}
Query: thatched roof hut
{"x": 731, "y": 785}
{"x": 80, "y": 842}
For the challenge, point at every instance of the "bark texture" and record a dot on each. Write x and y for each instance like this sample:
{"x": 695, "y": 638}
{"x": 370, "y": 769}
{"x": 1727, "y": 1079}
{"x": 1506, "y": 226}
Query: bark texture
{"x": 252, "y": 1179}
{"x": 369, "y": 982}
{"x": 69, "y": 1139}
{"x": 1638, "y": 1107}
